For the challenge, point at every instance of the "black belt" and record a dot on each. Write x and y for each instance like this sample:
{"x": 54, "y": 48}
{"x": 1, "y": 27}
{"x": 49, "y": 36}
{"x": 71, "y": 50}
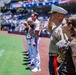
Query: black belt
{"x": 53, "y": 54}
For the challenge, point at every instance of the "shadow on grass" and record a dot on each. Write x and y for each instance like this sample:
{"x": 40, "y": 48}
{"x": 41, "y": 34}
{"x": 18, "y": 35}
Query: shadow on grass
{"x": 26, "y": 61}
{"x": 27, "y": 68}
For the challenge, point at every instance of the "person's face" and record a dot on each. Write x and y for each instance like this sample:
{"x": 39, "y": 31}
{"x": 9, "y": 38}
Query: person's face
{"x": 52, "y": 16}
{"x": 56, "y": 17}
{"x": 33, "y": 16}
{"x": 65, "y": 26}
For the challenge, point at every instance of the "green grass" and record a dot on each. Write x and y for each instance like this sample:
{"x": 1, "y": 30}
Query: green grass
{"x": 11, "y": 56}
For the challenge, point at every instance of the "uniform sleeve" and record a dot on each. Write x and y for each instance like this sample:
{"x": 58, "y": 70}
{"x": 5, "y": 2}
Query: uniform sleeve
{"x": 37, "y": 26}
{"x": 61, "y": 34}
{"x": 58, "y": 34}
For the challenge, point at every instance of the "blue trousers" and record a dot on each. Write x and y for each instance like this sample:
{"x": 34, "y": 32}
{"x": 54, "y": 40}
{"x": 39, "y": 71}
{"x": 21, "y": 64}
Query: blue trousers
{"x": 35, "y": 53}
{"x": 29, "y": 47}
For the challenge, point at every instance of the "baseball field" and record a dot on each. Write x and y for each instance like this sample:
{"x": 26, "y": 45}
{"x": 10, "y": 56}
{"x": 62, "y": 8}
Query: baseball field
{"x": 11, "y": 56}
{"x": 12, "y": 47}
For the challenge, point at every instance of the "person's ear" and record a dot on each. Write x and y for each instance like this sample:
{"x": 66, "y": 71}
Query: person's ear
{"x": 70, "y": 26}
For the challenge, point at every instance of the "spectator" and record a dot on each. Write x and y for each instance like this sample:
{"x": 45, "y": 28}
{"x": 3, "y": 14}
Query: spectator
{"x": 35, "y": 43}
{"x": 70, "y": 30}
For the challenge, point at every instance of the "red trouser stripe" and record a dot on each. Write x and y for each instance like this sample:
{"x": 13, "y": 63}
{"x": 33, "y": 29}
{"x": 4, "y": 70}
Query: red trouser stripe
{"x": 55, "y": 64}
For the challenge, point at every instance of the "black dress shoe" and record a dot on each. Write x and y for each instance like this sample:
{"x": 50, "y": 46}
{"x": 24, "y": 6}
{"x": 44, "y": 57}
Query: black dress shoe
{"x": 26, "y": 60}
{"x": 25, "y": 52}
{"x": 27, "y": 57}
{"x": 30, "y": 65}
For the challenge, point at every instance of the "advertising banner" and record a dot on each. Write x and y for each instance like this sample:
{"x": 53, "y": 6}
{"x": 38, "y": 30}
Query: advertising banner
{"x": 15, "y": 5}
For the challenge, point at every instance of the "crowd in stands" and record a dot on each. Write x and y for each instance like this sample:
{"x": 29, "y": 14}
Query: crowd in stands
{"x": 15, "y": 23}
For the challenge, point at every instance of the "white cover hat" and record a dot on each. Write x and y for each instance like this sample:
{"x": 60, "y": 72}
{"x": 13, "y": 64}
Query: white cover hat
{"x": 58, "y": 9}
